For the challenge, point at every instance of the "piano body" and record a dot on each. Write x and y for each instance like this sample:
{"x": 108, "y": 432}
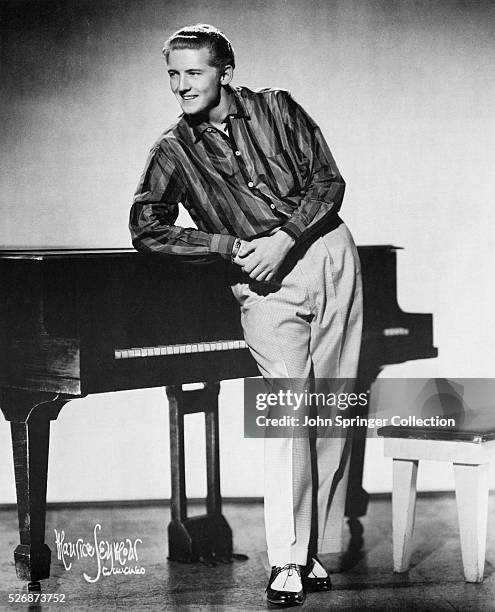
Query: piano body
{"x": 78, "y": 322}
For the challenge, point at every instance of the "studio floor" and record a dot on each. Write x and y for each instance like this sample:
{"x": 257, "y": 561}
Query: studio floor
{"x": 434, "y": 582}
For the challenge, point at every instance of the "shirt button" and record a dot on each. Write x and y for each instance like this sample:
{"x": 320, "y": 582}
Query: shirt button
{"x": 272, "y": 206}
{"x": 250, "y": 184}
{"x": 237, "y": 153}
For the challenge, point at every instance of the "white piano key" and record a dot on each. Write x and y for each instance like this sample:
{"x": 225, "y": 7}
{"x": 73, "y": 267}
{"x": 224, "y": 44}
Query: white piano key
{"x": 193, "y": 386}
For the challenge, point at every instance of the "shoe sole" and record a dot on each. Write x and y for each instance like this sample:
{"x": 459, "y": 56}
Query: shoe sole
{"x": 315, "y": 588}
{"x": 285, "y": 604}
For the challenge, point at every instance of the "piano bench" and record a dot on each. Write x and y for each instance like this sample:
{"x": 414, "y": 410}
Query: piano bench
{"x": 470, "y": 452}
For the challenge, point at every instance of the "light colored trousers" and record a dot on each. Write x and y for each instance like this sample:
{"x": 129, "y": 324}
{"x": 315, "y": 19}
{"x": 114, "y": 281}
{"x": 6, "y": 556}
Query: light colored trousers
{"x": 308, "y": 325}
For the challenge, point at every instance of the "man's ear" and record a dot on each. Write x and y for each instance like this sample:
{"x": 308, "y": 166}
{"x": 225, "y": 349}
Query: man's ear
{"x": 226, "y": 75}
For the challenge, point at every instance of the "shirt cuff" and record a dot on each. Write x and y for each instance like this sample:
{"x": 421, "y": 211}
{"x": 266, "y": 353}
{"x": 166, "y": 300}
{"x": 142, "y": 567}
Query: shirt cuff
{"x": 222, "y": 244}
{"x": 294, "y": 227}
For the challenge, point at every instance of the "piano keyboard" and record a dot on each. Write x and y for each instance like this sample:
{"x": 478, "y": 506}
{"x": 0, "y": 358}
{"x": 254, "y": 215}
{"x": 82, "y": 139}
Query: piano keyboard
{"x": 180, "y": 349}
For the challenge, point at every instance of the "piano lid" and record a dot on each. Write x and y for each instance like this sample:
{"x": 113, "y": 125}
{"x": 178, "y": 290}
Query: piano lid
{"x": 61, "y": 252}
{"x": 54, "y": 252}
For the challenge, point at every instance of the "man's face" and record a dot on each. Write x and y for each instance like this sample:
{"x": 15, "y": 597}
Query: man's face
{"x": 195, "y": 83}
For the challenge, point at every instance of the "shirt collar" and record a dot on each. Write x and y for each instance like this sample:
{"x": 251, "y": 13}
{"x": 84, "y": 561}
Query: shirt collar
{"x": 237, "y": 110}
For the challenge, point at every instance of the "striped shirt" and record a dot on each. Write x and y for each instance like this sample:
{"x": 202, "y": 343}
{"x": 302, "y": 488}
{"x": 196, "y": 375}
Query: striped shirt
{"x": 271, "y": 169}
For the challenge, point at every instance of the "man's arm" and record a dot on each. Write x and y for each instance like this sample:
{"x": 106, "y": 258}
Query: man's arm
{"x": 155, "y": 210}
{"x": 323, "y": 189}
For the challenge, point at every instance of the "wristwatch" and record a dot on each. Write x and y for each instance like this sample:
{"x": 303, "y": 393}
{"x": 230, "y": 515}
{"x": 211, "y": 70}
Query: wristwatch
{"x": 235, "y": 249}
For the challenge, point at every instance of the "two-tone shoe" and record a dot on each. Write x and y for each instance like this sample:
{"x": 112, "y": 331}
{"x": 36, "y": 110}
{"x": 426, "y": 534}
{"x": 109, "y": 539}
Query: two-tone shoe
{"x": 285, "y": 586}
{"x": 315, "y": 578}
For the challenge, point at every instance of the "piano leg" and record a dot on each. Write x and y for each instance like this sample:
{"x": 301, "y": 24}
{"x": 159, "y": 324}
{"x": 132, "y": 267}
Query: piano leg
{"x": 206, "y": 538}
{"x": 30, "y": 414}
{"x": 356, "y": 501}
{"x": 213, "y": 495}
{"x": 357, "y": 498}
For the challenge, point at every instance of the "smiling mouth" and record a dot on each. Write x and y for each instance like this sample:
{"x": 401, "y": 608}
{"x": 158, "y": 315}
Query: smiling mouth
{"x": 188, "y": 98}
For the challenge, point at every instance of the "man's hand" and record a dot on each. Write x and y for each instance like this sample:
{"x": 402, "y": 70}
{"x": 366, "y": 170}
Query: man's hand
{"x": 262, "y": 257}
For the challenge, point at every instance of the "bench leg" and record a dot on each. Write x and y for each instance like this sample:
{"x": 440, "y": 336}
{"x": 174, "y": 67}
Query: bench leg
{"x": 471, "y": 489}
{"x": 403, "y": 510}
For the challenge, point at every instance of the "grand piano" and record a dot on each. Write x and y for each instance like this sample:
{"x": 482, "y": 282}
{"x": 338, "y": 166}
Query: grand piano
{"x": 80, "y": 322}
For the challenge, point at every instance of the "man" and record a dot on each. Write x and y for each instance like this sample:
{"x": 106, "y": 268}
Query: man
{"x": 256, "y": 175}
